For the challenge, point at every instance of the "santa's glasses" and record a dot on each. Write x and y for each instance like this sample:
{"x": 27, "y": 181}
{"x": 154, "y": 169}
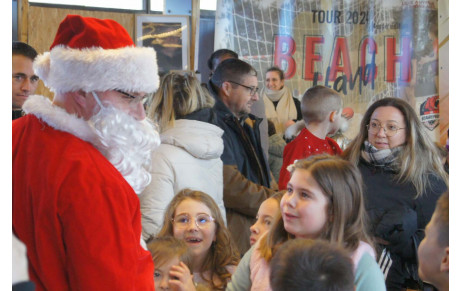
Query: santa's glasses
{"x": 134, "y": 100}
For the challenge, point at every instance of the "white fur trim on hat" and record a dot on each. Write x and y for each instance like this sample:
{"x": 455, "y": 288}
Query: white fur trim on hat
{"x": 132, "y": 69}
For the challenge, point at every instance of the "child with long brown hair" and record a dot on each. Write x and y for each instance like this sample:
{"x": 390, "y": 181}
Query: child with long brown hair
{"x": 323, "y": 201}
{"x": 194, "y": 217}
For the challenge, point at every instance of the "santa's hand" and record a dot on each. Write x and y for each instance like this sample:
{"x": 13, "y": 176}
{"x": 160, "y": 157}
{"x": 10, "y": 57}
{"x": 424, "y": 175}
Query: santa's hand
{"x": 183, "y": 279}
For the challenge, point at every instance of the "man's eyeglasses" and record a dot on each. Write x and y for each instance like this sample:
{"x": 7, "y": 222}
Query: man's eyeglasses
{"x": 253, "y": 90}
{"x": 201, "y": 220}
{"x": 135, "y": 99}
{"x": 389, "y": 129}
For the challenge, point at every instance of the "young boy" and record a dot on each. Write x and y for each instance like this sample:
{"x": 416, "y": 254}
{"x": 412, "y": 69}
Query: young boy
{"x": 172, "y": 260}
{"x": 321, "y": 111}
{"x": 305, "y": 264}
{"x": 433, "y": 252}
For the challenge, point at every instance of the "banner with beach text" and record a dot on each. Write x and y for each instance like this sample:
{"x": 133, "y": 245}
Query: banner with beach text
{"x": 367, "y": 50}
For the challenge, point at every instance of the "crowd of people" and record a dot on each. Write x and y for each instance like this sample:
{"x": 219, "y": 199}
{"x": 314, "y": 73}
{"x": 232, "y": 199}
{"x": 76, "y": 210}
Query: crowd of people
{"x": 129, "y": 181}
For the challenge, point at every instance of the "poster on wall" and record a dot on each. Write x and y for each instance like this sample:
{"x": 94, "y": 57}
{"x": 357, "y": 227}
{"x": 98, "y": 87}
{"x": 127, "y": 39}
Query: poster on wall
{"x": 168, "y": 35}
{"x": 367, "y": 50}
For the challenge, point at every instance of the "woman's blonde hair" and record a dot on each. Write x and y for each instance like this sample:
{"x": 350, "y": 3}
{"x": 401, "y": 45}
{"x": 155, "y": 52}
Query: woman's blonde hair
{"x": 178, "y": 95}
{"x": 419, "y": 157}
{"x": 223, "y": 251}
{"x": 341, "y": 183}
{"x": 164, "y": 249}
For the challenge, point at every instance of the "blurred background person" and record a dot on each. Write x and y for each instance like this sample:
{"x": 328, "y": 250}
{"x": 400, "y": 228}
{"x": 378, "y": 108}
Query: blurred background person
{"x": 25, "y": 81}
{"x": 281, "y": 107}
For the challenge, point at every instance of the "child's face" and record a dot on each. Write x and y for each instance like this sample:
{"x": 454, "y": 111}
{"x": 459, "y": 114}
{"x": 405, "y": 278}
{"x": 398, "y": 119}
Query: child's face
{"x": 161, "y": 274}
{"x": 304, "y": 207}
{"x": 198, "y": 239}
{"x": 268, "y": 211}
{"x": 430, "y": 255}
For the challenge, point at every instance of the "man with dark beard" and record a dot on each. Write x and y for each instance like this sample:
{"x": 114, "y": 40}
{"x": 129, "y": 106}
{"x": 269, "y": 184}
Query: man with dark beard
{"x": 79, "y": 161}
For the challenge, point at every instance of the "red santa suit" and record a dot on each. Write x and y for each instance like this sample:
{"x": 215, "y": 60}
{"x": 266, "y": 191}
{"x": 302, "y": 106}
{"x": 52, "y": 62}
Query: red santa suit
{"x": 304, "y": 145}
{"x": 78, "y": 217}
{"x": 75, "y": 212}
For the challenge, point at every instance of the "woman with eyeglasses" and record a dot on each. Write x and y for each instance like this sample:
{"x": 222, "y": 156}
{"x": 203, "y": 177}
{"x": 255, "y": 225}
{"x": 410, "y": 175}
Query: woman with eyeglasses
{"x": 190, "y": 150}
{"x": 403, "y": 177}
{"x": 194, "y": 217}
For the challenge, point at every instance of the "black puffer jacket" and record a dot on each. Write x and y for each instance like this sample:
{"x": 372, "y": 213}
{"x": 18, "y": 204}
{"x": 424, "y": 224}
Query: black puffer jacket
{"x": 397, "y": 217}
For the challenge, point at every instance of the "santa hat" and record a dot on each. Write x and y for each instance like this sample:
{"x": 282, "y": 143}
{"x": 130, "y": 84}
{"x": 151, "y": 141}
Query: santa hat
{"x": 93, "y": 54}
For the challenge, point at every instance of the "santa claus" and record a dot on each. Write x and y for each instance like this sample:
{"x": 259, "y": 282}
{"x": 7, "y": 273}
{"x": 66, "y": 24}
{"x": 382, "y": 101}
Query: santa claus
{"x": 79, "y": 161}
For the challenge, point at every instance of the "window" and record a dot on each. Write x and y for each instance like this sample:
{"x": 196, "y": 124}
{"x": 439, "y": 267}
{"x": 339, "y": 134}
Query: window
{"x": 114, "y": 4}
{"x": 156, "y": 5}
{"x": 208, "y": 4}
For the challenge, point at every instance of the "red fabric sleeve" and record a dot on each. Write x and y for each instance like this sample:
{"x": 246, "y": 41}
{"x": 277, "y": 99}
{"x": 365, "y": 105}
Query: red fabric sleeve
{"x": 102, "y": 235}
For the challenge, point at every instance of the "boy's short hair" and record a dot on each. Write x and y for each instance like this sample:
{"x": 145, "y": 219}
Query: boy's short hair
{"x": 164, "y": 249}
{"x": 318, "y": 102}
{"x": 304, "y": 264}
{"x": 441, "y": 219}
{"x": 23, "y": 49}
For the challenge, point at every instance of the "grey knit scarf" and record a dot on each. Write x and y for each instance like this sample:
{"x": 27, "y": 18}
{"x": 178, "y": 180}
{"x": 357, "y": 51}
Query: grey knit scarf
{"x": 385, "y": 158}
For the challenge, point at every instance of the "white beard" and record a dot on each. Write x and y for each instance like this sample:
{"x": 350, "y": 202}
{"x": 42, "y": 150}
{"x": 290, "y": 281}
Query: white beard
{"x": 127, "y": 143}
